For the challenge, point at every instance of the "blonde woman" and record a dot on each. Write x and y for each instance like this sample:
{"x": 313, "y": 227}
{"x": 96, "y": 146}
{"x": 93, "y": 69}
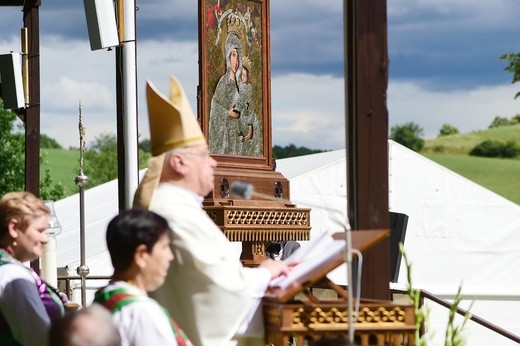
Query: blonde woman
{"x": 28, "y": 305}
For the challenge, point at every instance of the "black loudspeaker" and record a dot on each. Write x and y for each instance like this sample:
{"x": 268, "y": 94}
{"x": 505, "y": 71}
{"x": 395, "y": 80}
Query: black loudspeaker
{"x": 101, "y": 23}
{"x": 398, "y": 224}
{"x": 11, "y": 84}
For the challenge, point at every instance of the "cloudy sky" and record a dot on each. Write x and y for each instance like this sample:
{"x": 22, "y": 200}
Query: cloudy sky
{"x": 444, "y": 65}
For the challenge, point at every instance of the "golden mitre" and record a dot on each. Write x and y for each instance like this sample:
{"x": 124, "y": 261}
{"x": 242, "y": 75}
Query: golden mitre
{"x": 172, "y": 125}
{"x": 172, "y": 122}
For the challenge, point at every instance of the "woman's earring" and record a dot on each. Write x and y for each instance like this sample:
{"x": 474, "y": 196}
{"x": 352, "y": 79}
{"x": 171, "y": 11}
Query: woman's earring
{"x": 15, "y": 244}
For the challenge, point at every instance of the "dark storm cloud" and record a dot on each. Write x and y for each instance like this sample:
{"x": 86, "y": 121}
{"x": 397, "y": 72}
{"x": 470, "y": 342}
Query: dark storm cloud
{"x": 181, "y": 29}
{"x": 440, "y": 45}
{"x": 306, "y": 37}
{"x": 449, "y": 60}
{"x": 163, "y": 20}
{"x": 441, "y": 52}
{"x": 65, "y": 21}
{"x": 156, "y": 20}
{"x": 449, "y": 47}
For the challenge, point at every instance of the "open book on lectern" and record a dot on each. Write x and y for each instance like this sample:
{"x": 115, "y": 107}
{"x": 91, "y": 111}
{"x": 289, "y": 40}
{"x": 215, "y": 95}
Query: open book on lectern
{"x": 310, "y": 257}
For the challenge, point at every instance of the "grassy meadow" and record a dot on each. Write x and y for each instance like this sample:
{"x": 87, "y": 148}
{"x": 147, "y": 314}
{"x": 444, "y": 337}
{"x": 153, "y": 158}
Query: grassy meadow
{"x": 63, "y": 165}
{"x": 464, "y": 142}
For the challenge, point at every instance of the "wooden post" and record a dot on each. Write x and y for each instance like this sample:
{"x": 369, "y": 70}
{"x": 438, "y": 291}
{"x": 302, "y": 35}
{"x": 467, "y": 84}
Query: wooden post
{"x": 366, "y": 80}
{"x": 31, "y": 114}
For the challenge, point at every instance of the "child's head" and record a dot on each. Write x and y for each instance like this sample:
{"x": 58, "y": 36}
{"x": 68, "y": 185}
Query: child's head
{"x": 141, "y": 239}
{"x": 246, "y": 70}
{"x": 244, "y": 76}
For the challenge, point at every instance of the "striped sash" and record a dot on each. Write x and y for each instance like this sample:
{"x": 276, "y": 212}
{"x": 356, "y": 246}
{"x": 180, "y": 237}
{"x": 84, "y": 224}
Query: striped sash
{"x": 116, "y": 298}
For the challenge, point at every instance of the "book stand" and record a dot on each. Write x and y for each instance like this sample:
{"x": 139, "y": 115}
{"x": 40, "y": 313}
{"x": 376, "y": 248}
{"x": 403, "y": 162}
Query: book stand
{"x": 295, "y": 314}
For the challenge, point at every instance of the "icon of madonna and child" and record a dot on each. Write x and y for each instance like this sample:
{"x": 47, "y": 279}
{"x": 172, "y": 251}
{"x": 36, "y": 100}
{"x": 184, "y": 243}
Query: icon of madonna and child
{"x": 234, "y": 125}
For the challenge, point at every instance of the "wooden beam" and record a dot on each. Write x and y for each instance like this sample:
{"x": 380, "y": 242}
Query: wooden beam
{"x": 367, "y": 134}
{"x": 31, "y": 114}
{"x": 32, "y": 111}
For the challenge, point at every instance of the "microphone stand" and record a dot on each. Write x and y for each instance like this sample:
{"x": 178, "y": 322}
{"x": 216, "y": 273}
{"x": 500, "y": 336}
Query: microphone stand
{"x": 348, "y": 260}
{"x": 347, "y": 35}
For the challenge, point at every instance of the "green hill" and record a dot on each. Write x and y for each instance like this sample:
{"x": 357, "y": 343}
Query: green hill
{"x": 464, "y": 142}
{"x": 496, "y": 174}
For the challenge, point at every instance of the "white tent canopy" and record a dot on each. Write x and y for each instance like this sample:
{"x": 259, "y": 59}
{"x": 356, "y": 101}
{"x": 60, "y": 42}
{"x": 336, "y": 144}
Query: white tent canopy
{"x": 458, "y": 232}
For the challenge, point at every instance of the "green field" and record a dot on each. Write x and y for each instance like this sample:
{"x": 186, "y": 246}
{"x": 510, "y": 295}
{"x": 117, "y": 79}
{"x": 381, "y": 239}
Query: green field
{"x": 63, "y": 166}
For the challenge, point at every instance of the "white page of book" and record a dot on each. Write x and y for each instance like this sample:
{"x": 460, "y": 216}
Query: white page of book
{"x": 310, "y": 257}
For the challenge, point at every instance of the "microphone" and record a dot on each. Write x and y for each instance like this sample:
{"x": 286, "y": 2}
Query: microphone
{"x": 241, "y": 189}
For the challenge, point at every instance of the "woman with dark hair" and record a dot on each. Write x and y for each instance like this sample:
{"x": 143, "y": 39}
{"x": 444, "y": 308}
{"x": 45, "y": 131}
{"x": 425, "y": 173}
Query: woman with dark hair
{"x": 138, "y": 241}
{"x": 27, "y": 304}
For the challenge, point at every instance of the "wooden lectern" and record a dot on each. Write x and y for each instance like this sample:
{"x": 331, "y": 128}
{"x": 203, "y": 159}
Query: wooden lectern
{"x": 234, "y": 108}
{"x": 294, "y": 314}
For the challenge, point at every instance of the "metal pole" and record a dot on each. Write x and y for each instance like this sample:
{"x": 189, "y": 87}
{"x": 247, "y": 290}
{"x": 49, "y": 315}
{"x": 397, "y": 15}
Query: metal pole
{"x": 127, "y": 121}
{"x": 350, "y": 296}
{"x": 348, "y": 46}
{"x": 82, "y": 181}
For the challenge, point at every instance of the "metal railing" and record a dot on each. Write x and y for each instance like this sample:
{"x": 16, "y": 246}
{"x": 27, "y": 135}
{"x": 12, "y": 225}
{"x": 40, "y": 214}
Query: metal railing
{"x": 479, "y": 320}
{"x": 68, "y": 278}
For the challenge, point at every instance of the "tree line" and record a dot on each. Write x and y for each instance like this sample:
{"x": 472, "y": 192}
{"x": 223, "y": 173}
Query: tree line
{"x": 411, "y": 136}
{"x": 292, "y": 150}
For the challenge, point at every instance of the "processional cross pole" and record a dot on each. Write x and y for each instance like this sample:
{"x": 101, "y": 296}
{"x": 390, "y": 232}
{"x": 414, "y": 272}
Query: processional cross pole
{"x": 82, "y": 181}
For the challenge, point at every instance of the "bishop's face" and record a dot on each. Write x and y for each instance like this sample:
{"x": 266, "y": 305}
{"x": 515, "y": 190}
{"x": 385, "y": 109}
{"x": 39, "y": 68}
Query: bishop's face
{"x": 201, "y": 168}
